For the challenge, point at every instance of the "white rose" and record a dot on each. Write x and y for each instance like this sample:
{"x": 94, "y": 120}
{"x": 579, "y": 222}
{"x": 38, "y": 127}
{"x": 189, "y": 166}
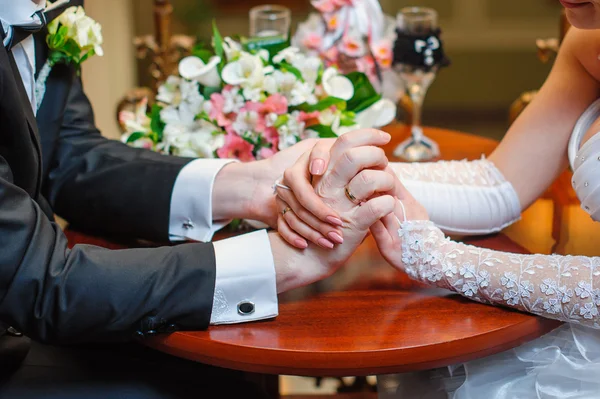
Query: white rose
{"x": 71, "y": 16}
{"x": 88, "y": 34}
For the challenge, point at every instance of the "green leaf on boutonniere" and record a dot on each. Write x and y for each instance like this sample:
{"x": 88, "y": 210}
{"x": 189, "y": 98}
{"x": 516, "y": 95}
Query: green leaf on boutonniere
{"x": 58, "y": 39}
{"x": 365, "y": 94}
{"x": 57, "y": 57}
{"x": 156, "y": 124}
{"x": 325, "y": 132}
{"x": 323, "y": 104}
{"x": 87, "y": 55}
{"x": 135, "y": 136}
{"x": 72, "y": 48}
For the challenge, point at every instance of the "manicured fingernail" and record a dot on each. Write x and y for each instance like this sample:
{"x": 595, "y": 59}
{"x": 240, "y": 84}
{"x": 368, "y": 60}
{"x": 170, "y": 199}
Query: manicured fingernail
{"x": 385, "y": 136}
{"x": 317, "y": 167}
{"x": 335, "y": 221}
{"x": 335, "y": 237}
{"x": 302, "y": 244}
{"x": 325, "y": 243}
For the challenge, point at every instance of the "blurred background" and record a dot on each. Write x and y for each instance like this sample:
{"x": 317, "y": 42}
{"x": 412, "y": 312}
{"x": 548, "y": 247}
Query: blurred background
{"x": 491, "y": 44}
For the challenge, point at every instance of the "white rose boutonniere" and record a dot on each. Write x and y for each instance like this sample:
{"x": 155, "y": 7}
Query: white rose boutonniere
{"x": 72, "y": 38}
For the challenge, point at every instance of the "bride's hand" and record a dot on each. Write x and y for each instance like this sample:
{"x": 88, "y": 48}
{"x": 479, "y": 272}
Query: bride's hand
{"x": 310, "y": 217}
{"x": 385, "y": 231}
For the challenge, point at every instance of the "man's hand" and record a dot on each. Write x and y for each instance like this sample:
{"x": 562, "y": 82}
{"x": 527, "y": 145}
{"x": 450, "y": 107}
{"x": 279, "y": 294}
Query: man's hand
{"x": 245, "y": 190}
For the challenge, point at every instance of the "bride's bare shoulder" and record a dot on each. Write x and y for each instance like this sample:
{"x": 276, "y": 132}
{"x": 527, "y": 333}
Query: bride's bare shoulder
{"x": 584, "y": 45}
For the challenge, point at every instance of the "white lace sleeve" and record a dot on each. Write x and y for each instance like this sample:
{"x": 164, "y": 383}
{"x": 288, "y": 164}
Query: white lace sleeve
{"x": 462, "y": 197}
{"x": 565, "y": 288}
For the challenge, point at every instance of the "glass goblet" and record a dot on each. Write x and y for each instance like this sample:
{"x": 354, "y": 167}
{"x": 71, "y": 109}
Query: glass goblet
{"x": 270, "y": 20}
{"x": 418, "y": 22}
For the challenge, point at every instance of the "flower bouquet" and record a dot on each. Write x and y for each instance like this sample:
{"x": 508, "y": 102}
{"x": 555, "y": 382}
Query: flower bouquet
{"x": 250, "y": 98}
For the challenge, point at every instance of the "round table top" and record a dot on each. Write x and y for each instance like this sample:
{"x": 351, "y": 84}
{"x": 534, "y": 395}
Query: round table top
{"x": 368, "y": 318}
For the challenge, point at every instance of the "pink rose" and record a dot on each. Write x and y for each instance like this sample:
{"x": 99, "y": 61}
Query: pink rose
{"x": 275, "y": 104}
{"x": 312, "y": 41}
{"x": 216, "y": 111}
{"x": 331, "y": 54}
{"x": 382, "y": 51}
{"x": 252, "y": 106}
{"x": 342, "y": 3}
{"x": 310, "y": 118}
{"x": 332, "y": 20}
{"x": 253, "y": 116}
{"x": 324, "y": 5}
{"x": 236, "y": 147}
{"x": 352, "y": 47}
{"x": 272, "y": 136}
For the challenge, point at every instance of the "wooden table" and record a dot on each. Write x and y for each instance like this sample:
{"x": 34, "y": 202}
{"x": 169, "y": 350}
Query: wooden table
{"x": 368, "y": 318}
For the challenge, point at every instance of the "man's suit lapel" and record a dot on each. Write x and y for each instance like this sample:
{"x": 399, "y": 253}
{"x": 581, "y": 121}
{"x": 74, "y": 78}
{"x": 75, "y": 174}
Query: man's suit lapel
{"x": 25, "y": 102}
{"x": 26, "y": 106}
{"x": 41, "y": 50}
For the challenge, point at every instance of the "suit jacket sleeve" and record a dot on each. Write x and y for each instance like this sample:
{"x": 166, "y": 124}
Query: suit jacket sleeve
{"x": 105, "y": 186}
{"x": 56, "y": 294}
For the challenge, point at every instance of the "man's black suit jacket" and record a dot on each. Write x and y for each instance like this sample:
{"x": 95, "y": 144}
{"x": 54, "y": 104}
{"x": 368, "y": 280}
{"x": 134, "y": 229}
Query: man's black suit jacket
{"x": 58, "y": 295}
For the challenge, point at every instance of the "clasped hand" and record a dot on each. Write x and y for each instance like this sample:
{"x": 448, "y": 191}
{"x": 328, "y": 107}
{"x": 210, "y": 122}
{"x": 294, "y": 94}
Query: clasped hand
{"x": 338, "y": 192}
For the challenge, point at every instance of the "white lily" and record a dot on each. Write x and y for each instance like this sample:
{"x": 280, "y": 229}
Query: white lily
{"x": 288, "y": 55}
{"x": 327, "y": 117}
{"x": 379, "y": 114}
{"x": 168, "y": 92}
{"x": 231, "y": 48}
{"x": 247, "y": 71}
{"x": 302, "y": 93}
{"x": 291, "y": 132}
{"x": 336, "y": 85}
{"x": 193, "y": 68}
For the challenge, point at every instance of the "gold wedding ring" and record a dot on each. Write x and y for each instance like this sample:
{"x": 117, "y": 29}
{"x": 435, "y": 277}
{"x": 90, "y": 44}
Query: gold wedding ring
{"x": 286, "y": 210}
{"x": 350, "y": 196}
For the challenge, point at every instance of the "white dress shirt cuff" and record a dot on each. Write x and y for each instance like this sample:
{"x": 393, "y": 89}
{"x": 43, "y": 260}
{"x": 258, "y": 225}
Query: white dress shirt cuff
{"x": 191, "y": 201}
{"x": 246, "y": 287}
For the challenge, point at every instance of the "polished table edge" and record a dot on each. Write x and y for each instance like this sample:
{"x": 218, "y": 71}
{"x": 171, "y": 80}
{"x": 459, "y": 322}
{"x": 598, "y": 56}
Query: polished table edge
{"x": 357, "y": 363}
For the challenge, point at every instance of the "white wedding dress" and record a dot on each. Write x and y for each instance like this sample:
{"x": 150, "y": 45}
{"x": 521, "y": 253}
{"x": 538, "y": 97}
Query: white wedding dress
{"x": 562, "y": 364}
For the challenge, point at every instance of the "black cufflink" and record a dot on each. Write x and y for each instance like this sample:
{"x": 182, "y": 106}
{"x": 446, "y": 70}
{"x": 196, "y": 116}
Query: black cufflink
{"x": 245, "y": 308}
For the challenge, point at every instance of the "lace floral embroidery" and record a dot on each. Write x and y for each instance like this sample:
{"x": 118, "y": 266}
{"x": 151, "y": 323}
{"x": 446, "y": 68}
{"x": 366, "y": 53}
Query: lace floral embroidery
{"x": 565, "y": 288}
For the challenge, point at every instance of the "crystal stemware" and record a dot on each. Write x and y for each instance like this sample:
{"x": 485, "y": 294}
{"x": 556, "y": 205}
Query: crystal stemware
{"x": 418, "y": 22}
{"x": 270, "y": 20}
